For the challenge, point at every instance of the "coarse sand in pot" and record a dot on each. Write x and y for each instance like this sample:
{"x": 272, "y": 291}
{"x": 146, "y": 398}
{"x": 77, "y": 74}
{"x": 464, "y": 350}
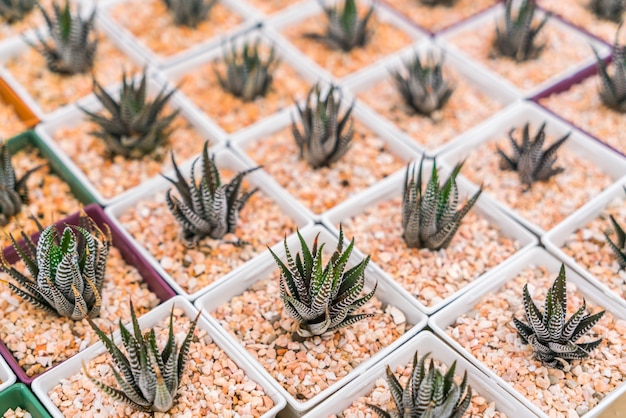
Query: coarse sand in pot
{"x": 304, "y": 369}
{"x": 152, "y": 24}
{"x": 10, "y": 122}
{"x": 271, "y": 6}
{"x": 40, "y": 340}
{"x": 16, "y": 413}
{"x": 430, "y": 276}
{"x": 487, "y": 332}
{"x": 212, "y": 384}
{"x": 368, "y": 161}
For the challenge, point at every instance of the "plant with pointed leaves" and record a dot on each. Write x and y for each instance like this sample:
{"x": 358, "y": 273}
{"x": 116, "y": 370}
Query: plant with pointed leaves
{"x": 189, "y": 12}
{"x": 433, "y": 3}
{"x": 612, "y": 10}
{"x": 13, "y": 192}
{"x": 322, "y": 299}
{"x": 516, "y": 39}
{"x": 133, "y": 126}
{"x": 148, "y": 380}
{"x": 429, "y": 216}
{"x": 619, "y": 247}
{"x": 67, "y": 271}
{"x": 428, "y": 393}
{"x": 325, "y": 137}
{"x": 12, "y": 11}
{"x": 424, "y": 89}
{"x": 613, "y": 87}
{"x": 528, "y": 159}
{"x": 71, "y": 48}
{"x": 345, "y": 30}
{"x": 552, "y": 338}
{"x": 248, "y": 75}
{"x": 208, "y": 208}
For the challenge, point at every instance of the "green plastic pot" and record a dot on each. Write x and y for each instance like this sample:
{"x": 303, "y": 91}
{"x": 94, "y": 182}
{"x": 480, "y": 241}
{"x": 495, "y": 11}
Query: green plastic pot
{"x": 18, "y": 395}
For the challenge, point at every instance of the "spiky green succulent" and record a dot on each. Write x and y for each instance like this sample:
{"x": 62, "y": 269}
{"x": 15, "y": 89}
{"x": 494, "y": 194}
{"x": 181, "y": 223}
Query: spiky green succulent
{"x": 322, "y": 299}
{"x": 71, "y": 46}
{"x": 618, "y": 247}
{"x": 424, "y": 88}
{"x": 67, "y": 271}
{"x": 248, "y": 75}
{"x": 147, "y": 379}
{"x": 325, "y": 137}
{"x": 516, "y": 38}
{"x": 207, "y": 208}
{"x": 428, "y": 393}
{"x": 12, "y": 11}
{"x": 345, "y": 30}
{"x": 429, "y": 215}
{"x": 13, "y": 192}
{"x": 552, "y": 338}
{"x": 132, "y": 126}
{"x": 433, "y": 3}
{"x": 612, "y": 10}
{"x": 612, "y": 89}
{"x": 528, "y": 159}
{"x": 189, "y": 12}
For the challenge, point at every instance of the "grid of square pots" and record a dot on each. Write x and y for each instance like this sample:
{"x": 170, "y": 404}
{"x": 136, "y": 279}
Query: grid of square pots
{"x": 270, "y": 22}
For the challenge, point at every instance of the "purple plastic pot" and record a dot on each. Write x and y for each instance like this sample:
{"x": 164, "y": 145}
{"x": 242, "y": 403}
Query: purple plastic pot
{"x": 155, "y": 283}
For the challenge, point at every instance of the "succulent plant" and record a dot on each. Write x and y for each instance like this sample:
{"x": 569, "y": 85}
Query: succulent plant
{"x": 208, "y": 208}
{"x": 424, "y": 89}
{"x": 12, "y": 11}
{"x": 71, "y": 48}
{"x": 528, "y": 159}
{"x": 345, "y": 30}
{"x": 322, "y": 299}
{"x": 433, "y": 3}
{"x": 613, "y": 87}
{"x": 428, "y": 393}
{"x": 326, "y": 136}
{"x": 133, "y": 126}
{"x": 13, "y": 192}
{"x": 516, "y": 39}
{"x": 247, "y": 75}
{"x": 552, "y": 338}
{"x": 612, "y": 10}
{"x": 619, "y": 247}
{"x": 147, "y": 379}
{"x": 429, "y": 215}
{"x": 189, "y": 12}
{"x": 67, "y": 271}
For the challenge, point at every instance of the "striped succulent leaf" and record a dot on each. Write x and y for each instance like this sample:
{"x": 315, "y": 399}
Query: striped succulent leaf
{"x": 619, "y": 246}
{"x": 613, "y": 87}
{"x": 207, "y": 208}
{"x": 612, "y": 10}
{"x": 528, "y": 159}
{"x": 345, "y": 30}
{"x": 429, "y": 215}
{"x": 322, "y": 299}
{"x": 189, "y": 12}
{"x": 13, "y": 192}
{"x": 552, "y": 338}
{"x": 325, "y": 136}
{"x": 12, "y": 11}
{"x": 132, "y": 126}
{"x": 147, "y": 379}
{"x": 72, "y": 43}
{"x": 428, "y": 393}
{"x": 248, "y": 75}
{"x": 424, "y": 88}
{"x": 516, "y": 37}
{"x": 67, "y": 271}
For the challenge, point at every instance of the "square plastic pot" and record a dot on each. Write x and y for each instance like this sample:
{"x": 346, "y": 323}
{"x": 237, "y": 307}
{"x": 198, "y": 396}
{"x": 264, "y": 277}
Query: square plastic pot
{"x": 24, "y": 112}
{"x": 19, "y": 396}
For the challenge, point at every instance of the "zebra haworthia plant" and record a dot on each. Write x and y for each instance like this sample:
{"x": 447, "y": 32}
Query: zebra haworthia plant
{"x": 13, "y": 192}
{"x": 345, "y": 29}
{"x": 67, "y": 271}
{"x": 208, "y": 208}
{"x": 516, "y": 39}
{"x": 12, "y": 11}
{"x": 325, "y": 136}
{"x": 552, "y": 338}
{"x": 322, "y": 299}
{"x": 429, "y": 215}
{"x": 428, "y": 393}
{"x": 528, "y": 159}
{"x": 72, "y": 43}
{"x": 189, "y": 12}
{"x": 612, "y": 10}
{"x": 132, "y": 126}
{"x": 612, "y": 88}
{"x": 433, "y": 3}
{"x": 147, "y": 379}
{"x": 619, "y": 246}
